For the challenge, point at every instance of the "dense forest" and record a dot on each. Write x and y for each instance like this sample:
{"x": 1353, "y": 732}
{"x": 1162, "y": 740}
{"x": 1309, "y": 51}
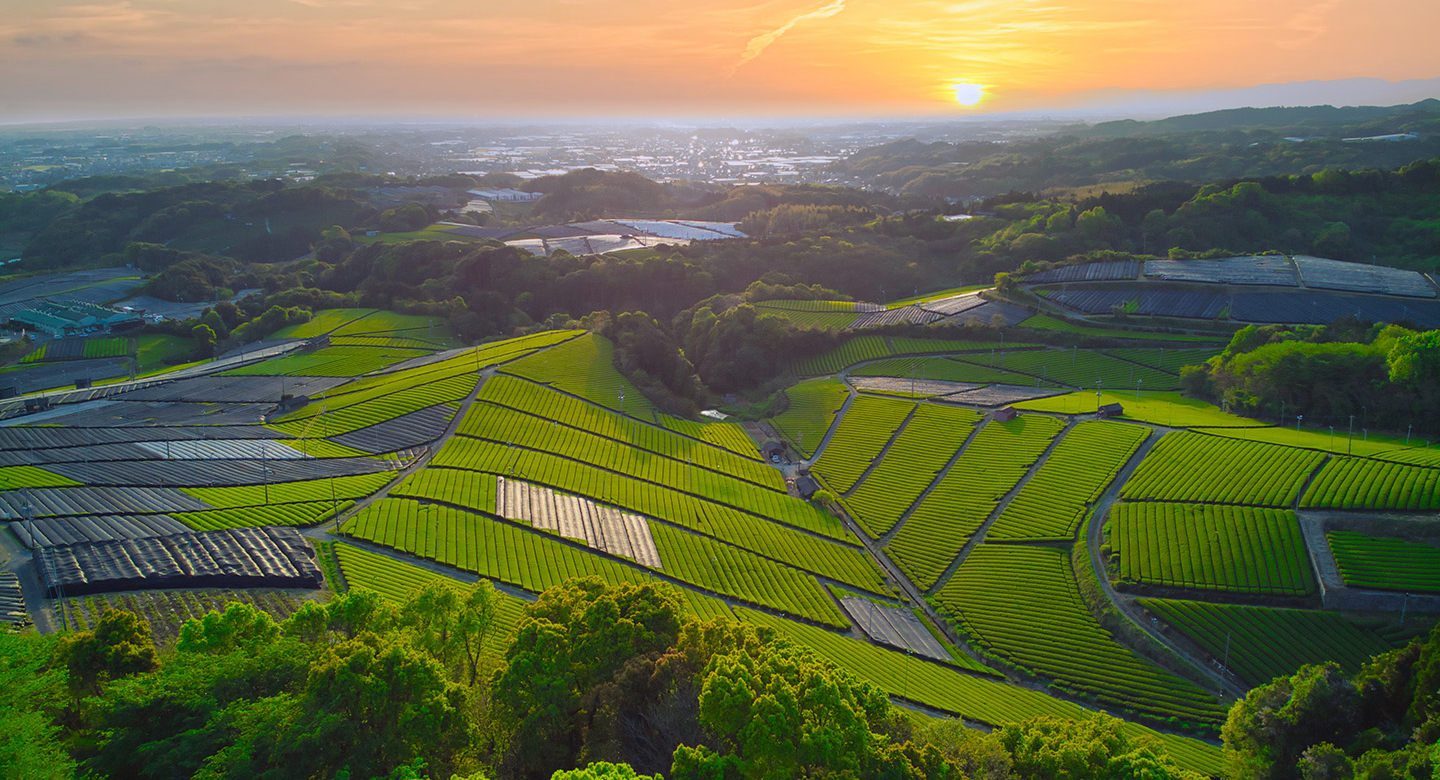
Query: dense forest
{"x": 1211, "y": 147}
{"x": 614, "y": 678}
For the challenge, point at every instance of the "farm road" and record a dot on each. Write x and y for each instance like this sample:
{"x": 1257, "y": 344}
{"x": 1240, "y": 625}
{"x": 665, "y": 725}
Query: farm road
{"x": 984, "y": 529}
{"x": 319, "y": 532}
{"x": 1094, "y": 528}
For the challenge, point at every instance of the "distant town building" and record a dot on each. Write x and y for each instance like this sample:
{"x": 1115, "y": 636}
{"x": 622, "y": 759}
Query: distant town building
{"x": 70, "y": 318}
{"x": 1390, "y": 138}
{"x": 508, "y": 195}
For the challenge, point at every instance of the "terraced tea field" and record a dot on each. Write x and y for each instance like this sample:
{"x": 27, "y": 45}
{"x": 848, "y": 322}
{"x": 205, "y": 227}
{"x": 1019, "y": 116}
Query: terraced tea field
{"x": 1386, "y": 564}
{"x": 928, "y": 441}
{"x": 863, "y": 433}
{"x": 1052, "y": 504}
{"x": 1259, "y": 643}
{"x": 993, "y": 462}
{"x": 1204, "y": 547}
{"x": 1188, "y": 466}
{"x": 518, "y": 461}
{"x": 1359, "y": 483}
{"x": 813, "y": 406}
{"x": 1021, "y": 604}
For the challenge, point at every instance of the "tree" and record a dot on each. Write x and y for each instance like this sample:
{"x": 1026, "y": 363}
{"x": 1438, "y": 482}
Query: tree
{"x": 31, "y": 694}
{"x": 603, "y": 770}
{"x": 120, "y": 645}
{"x": 1049, "y": 748}
{"x": 384, "y": 702}
{"x": 1267, "y": 731}
{"x": 204, "y": 336}
{"x": 574, "y": 637}
{"x": 475, "y": 624}
{"x": 241, "y": 625}
{"x": 777, "y": 712}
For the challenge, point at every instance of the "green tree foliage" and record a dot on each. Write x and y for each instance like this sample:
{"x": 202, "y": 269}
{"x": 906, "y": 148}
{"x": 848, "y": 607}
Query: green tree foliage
{"x": 241, "y": 625}
{"x": 1381, "y": 374}
{"x": 1383, "y": 722}
{"x": 603, "y": 770}
{"x": 120, "y": 645}
{"x": 574, "y": 638}
{"x": 1097, "y": 749}
{"x": 753, "y": 694}
{"x": 592, "y": 194}
{"x": 791, "y": 219}
{"x": 32, "y": 696}
{"x": 274, "y": 318}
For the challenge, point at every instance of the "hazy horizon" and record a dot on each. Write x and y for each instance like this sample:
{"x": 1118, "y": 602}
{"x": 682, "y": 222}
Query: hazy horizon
{"x": 840, "y": 60}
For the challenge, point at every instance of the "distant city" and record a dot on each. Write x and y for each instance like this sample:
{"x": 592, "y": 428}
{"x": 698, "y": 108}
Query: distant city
{"x": 32, "y": 157}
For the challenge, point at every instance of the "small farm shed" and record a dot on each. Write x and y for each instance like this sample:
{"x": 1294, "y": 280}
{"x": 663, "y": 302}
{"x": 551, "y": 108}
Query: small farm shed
{"x": 1111, "y": 410}
{"x": 1005, "y": 414}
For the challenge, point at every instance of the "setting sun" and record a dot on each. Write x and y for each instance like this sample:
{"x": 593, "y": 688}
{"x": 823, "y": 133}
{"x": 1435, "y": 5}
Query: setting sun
{"x": 967, "y": 94}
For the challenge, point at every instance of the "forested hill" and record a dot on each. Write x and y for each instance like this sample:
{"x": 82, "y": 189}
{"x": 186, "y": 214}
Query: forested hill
{"x": 1216, "y": 146}
{"x": 1330, "y": 121}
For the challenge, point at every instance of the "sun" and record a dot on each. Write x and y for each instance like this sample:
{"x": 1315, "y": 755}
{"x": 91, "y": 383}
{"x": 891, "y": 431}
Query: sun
{"x": 967, "y": 94}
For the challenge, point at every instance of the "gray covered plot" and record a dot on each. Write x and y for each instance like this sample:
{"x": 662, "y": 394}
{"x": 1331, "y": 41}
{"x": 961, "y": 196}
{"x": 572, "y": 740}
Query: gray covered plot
{"x": 214, "y": 473}
{"x": 235, "y": 389}
{"x": 52, "y": 531}
{"x": 270, "y": 557}
{"x": 911, "y": 314}
{"x": 606, "y": 528}
{"x": 1358, "y": 277}
{"x": 400, "y": 433}
{"x": 894, "y": 626}
{"x": 1254, "y": 269}
{"x": 1000, "y": 395}
{"x": 58, "y": 502}
{"x": 12, "y": 601}
{"x": 891, "y": 384}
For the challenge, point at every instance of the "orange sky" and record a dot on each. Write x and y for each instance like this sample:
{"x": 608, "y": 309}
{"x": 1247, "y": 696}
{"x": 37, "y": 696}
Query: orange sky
{"x": 636, "y": 57}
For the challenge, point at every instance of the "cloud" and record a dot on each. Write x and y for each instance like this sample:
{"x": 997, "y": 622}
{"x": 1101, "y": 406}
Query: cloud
{"x": 760, "y": 42}
{"x": 1310, "y": 23}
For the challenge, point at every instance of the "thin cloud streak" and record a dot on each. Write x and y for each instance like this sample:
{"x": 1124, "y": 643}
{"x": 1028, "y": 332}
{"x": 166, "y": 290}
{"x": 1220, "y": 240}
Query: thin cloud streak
{"x": 759, "y": 43}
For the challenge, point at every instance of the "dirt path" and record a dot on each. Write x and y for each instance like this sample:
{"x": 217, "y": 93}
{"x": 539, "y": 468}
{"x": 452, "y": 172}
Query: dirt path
{"x": 15, "y": 558}
{"x": 984, "y": 529}
{"x": 930, "y": 488}
{"x": 319, "y": 532}
{"x": 1094, "y": 529}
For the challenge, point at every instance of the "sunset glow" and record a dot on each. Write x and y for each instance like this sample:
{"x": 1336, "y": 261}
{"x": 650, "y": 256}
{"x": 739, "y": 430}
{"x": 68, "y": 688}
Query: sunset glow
{"x": 646, "y": 57}
{"x": 968, "y": 94}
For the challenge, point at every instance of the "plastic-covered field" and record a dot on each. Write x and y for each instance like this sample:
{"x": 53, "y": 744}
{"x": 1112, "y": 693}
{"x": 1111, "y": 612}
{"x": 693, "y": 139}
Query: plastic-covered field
{"x": 1088, "y": 272}
{"x": 1166, "y": 303}
{"x": 894, "y": 626}
{"x": 238, "y": 558}
{"x": 1275, "y": 270}
{"x": 1321, "y": 308}
{"x": 51, "y": 531}
{"x": 1358, "y": 277}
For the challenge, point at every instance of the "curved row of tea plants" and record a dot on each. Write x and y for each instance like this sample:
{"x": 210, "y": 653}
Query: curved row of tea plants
{"x": 1261, "y": 643}
{"x": 864, "y": 431}
{"x": 1022, "y": 604}
{"x": 536, "y": 560}
{"x": 1052, "y": 504}
{"x": 993, "y": 463}
{"x": 927, "y": 442}
{"x": 1361, "y": 483}
{"x": 1186, "y": 466}
{"x": 1207, "y": 547}
{"x": 1384, "y": 563}
{"x": 841, "y": 562}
